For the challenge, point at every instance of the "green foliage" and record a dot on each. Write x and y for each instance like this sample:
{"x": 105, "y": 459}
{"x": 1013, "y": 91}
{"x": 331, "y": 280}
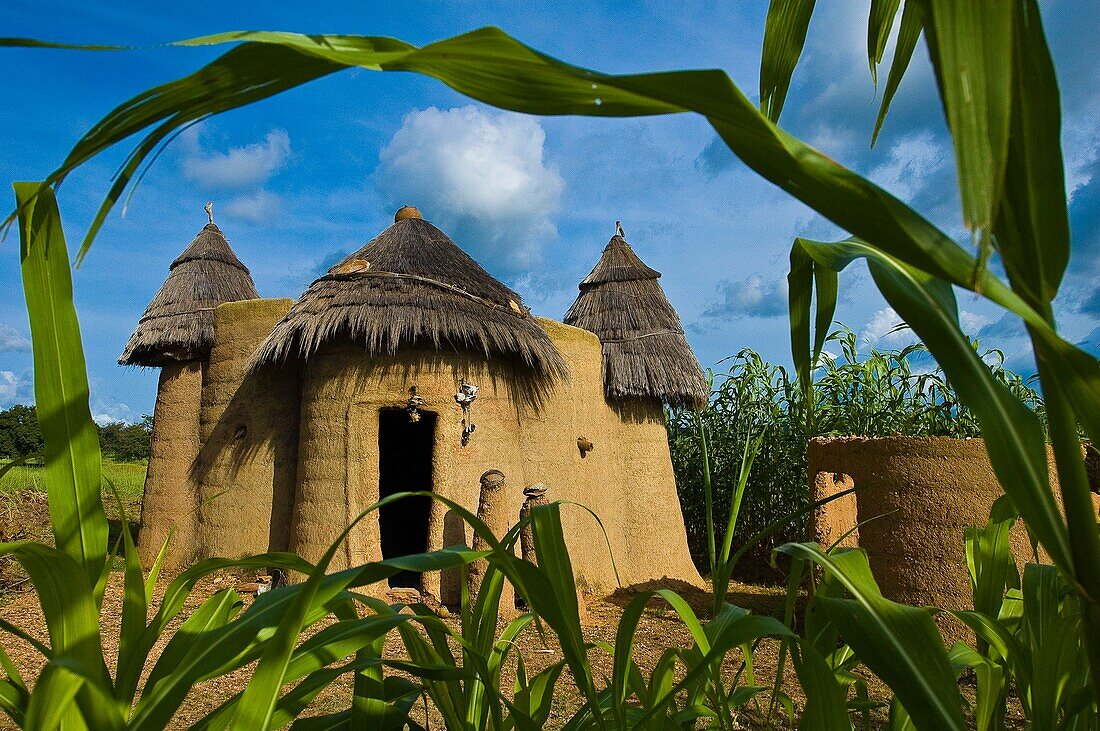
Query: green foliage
{"x": 20, "y": 435}
{"x": 124, "y": 442}
{"x": 865, "y": 392}
{"x": 997, "y": 87}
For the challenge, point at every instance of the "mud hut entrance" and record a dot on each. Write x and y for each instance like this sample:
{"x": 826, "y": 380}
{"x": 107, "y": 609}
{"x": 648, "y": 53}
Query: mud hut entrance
{"x": 404, "y": 465}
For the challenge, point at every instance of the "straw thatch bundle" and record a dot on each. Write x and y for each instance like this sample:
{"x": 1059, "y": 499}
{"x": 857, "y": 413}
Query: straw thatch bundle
{"x": 178, "y": 324}
{"x": 412, "y": 285}
{"x": 645, "y": 353}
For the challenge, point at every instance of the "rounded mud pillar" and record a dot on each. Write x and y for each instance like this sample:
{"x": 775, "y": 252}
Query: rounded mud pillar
{"x": 915, "y": 495}
{"x": 534, "y": 496}
{"x": 492, "y": 510}
{"x": 249, "y": 423}
{"x": 171, "y": 495}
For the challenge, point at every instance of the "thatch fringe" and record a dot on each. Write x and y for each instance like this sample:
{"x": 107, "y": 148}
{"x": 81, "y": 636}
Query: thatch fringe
{"x": 645, "y": 353}
{"x": 411, "y": 285}
{"x": 178, "y": 325}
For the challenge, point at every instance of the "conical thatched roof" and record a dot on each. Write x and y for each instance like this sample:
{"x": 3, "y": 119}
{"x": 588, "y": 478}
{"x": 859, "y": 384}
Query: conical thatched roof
{"x": 179, "y": 323}
{"x": 645, "y": 353}
{"x": 412, "y": 285}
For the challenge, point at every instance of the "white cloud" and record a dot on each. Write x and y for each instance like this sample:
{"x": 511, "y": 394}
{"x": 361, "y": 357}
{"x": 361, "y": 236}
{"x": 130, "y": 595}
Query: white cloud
{"x": 258, "y": 207}
{"x": 10, "y": 388}
{"x": 238, "y": 167}
{"x": 886, "y": 329}
{"x": 479, "y": 175}
{"x": 11, "y": 340}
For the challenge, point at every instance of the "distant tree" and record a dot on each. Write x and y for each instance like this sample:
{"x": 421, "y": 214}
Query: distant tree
{"x": 20, "y": 434}
{"x": 124, "y": 442}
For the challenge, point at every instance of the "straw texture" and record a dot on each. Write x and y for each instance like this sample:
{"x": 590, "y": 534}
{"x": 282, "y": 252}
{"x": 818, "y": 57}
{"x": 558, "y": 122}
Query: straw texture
{"x": 645, "y": 353}
{"x": 178, "y": 325}
{"x": 412, "y": 286}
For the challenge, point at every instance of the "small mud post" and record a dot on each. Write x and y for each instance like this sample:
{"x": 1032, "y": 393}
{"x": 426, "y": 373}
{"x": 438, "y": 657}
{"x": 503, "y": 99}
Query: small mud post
{"x": 492, "y": 511}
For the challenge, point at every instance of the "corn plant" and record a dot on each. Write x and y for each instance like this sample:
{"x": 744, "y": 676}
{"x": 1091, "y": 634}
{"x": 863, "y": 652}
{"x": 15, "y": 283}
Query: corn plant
{"x": 1000, "y": 97}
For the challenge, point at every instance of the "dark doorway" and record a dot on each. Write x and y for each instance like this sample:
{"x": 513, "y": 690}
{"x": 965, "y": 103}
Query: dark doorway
{"x": 404, "y": 465}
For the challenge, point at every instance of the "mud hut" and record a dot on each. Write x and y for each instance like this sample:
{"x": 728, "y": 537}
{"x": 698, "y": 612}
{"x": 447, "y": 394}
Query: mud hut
{"x": 175, "y": 334}
{"x": 408, "y": 367}
{"x": 645, "y": 353}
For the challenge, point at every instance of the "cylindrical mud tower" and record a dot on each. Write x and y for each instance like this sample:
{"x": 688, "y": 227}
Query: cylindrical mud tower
{"x": 176, "y": 333}
{"x": 171, "y": 497}
{"x": 915, "y": 495}
{"x": 492, "y": 510}
{"x": 249, "y": 427}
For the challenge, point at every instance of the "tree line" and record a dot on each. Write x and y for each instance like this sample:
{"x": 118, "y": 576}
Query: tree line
{"x": 20, "y": 435}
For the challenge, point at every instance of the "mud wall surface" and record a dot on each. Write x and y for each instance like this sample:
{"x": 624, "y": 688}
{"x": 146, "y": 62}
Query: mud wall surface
{"x": 343, "y": 393}
{"x": 626, "y": 479}
{"x": 249, "y": 426}
{"x": 915, "y": 496}
{"x": 171, "y": 493}
{"x": 528, "y": 434}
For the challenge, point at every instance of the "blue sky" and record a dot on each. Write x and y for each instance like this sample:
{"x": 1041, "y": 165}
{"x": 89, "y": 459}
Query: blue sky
{"x": 302, "y": 179}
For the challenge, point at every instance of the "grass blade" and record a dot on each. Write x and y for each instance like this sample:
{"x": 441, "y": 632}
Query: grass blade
{"x": 784, "y": 36}
{"x": 72, "y": 458}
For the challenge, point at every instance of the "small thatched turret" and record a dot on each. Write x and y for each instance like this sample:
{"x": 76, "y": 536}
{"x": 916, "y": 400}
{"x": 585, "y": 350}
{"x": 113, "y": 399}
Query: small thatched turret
{"x": 412, "y": 286}
{"x": 176, "y": 334}
{"x": 178, "y": 325}
{"x": 645, "y": 353}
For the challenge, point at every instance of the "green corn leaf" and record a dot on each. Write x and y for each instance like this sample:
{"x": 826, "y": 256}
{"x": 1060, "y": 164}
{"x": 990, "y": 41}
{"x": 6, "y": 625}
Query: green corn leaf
{"x": 879, "y": 23}
{"x": 825, "y": 698}
{"x": 898, "y": 643}
{"x": 54, "y": 699}
{"x": 623, "y": 660}
{"x": 67, "y": 605}
{"x": 784, "y": 36}
{"x": 968, "y": 44}
{"x": 989, "y": 558}
{"x": 992, "y": 687}
{"x": 908, "y": 35}
{"x": 1032, "y": 228}
{"x": 13, "y": 701}
{"x": 72, "y": 459}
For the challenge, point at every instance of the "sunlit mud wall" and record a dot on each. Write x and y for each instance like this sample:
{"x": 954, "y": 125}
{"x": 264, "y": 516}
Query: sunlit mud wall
{"x": 914, "y": 497}
{"x": 171, "y": 492}
{"x": 529, "y": 434}
{"x": 249, "y": 427}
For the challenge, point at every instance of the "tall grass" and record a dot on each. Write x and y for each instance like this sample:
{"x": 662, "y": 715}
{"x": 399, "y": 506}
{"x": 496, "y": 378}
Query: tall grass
{"x": 862, "y": 391}
{"x": 127, "y": 477}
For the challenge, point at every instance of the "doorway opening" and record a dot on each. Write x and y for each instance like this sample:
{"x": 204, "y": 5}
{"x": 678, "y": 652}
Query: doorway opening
{"x": 405, "y": 450}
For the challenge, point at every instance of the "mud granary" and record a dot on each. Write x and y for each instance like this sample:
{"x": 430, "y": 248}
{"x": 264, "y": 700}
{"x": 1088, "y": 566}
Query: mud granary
{"x": 408, "y": 367}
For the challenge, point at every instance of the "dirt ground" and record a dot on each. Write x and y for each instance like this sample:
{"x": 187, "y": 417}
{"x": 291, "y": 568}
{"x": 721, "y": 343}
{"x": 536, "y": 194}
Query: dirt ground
{"x": 659, "y": 629}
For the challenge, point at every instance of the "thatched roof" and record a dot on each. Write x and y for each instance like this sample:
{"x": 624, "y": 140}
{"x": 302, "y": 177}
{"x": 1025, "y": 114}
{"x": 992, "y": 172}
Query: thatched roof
{"x": 645, "y": 353}
{"x": 179, "y": 323}
{"x": 411, "y": 285}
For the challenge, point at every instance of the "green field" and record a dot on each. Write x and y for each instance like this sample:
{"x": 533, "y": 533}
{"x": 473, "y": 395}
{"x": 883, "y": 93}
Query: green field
{"x": 127, "y": 477}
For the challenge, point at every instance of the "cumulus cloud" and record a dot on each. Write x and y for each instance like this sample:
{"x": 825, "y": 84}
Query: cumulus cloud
{"x": 481, "y": 176}
{"x": 238, "y": 167}
{"x": 258, "y": 207}
{"x": 9, "y": 387}
{"x": 11, "y": 340}
{"x": 16, "y": 388}
{"x": 754, "y": 296}
{"x": 886, "y": 329}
